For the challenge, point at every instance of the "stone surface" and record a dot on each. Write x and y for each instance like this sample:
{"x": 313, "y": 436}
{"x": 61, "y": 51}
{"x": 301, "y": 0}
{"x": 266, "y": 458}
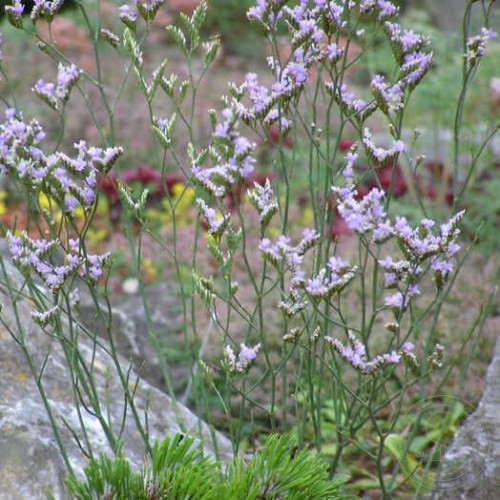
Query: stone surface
{"x": 134, "y": 337}
{"x": 30, "y": 460}
{"x": 470, "y": 468}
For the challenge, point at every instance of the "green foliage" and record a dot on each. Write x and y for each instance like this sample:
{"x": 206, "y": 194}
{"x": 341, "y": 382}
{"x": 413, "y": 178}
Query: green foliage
{"x": 483, "y": 214}
{"x": 280, "y": 470}
{"x": 228, "y": 19}
{"x": 106, "y": 476}
{"x": 179, "y": 469}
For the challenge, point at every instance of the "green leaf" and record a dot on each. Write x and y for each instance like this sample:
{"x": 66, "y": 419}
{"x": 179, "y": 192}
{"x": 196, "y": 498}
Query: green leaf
{"x": 157, "y": 78}
{"x": 178, "y": 36}
{"x": 413, "y": 470}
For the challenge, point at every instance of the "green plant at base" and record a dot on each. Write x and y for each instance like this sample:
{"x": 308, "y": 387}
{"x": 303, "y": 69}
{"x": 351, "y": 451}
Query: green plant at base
{"x": 179, "y": 469}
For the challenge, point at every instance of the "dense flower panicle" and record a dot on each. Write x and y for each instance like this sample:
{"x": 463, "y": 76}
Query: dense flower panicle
{"x": 34, "y": 256}
{"x": 246, "y": 358}
{"x": 388, "y": 97}
{"x": 46, "y": 9}
{"x": 266, "y": 13}
{"x": 414, "y": 68}
{"x": 14, "y": 13}
{"x": 358, "y": 108}
{"x": 378, "y": 154}
{"x": 57, "y": 94}
{"x": 45, "y": 317}
{"x": 232, "y": 154}
{"x": 328, "y": 281}
{"x": 128, "y": 15}
{"x": 217, "y": 222}
{"x": 476, "y": 45}
{"x": 354, "y": 353}
{"x": 148, "y": 8}
{"x": 71, "y": 181}
{"x": 20, "y": 151}
{"x": 421, "y": 243}
{"x": 365, "y": 215}
{"x": 282, "y": 250}
{"x": 403, "y": 42}
{"x": 383, "y": 9}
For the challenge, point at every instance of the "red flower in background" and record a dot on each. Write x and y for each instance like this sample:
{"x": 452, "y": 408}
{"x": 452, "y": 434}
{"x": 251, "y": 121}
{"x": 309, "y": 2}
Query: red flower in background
{"x": 384, "y": 175}
{"x": 433, "y": 180}
{"x": 340, "y": 227}
{"x": 275, "y": 137}
{"x": 143, "y": 175}
{"x": 345, "y": 145}
{"x": 234, "y": 195}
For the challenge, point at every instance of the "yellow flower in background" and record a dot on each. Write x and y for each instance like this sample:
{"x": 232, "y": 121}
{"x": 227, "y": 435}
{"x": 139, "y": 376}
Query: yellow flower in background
{"x": 307, "y": 218}
{"x": 79, "y": 213}
{"x": 181, "y": 205}
{"x": 3, "y": 208}
{"x": 273, "y": 232}
{"x": 44, "y": 201}
{"x": 49, "y": 205}
{"x": 183, "y": 202}
{"x": 149, "y": 271}
{"x": 95, "y": 237}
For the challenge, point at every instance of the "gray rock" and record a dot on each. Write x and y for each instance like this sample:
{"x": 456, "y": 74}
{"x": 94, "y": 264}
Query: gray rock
{"x": 139, "y": 341}
{"x": 470, "y": 468}
{"x": 31, "y": 464}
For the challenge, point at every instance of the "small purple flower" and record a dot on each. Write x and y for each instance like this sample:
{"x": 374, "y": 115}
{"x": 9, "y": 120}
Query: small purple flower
{"x": 246, "y": 358}
{"x": 395, "y": 301}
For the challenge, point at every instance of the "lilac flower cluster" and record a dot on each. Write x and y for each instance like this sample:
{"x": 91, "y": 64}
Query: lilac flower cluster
{"x": 46, "y": 9}
{"x": 57, "y": 94}
{"x": 217, "y": 223}
{"x": 332, "y": 279}
{"x": 45, "y": 317}
{"x": 378, "y": 154}
{"x": 292, "y": 255}
{"x": 407, "y": 49}
{"x": 232, "y": 154}
{"x": 350, "y": 105}
{"x": 147, "y": 9}
{"x": 365, "y": 215}
{"x": 382, "y": 9}
{"x": 413, "y": 63}
{"x": 34, "y": 256}
{"x": 245, "y": 359}
{"x": 419, "y": 245}
{"x": 71, "y": 181}
{"x": 389, "y": 98}
{"x": 20, "y": 152}
{"x": 14, "y": 13}
{"x": 354, "y": 352}
{"x": 128, "y": 15}
{"x": 476, "y": 45}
